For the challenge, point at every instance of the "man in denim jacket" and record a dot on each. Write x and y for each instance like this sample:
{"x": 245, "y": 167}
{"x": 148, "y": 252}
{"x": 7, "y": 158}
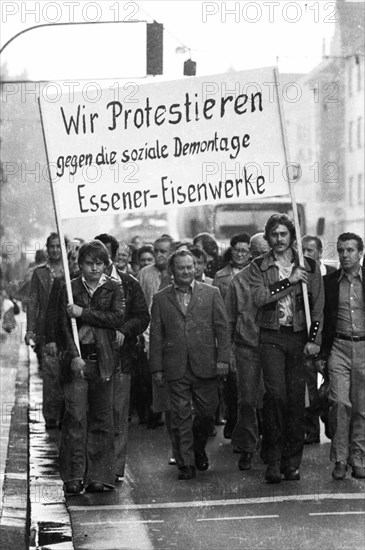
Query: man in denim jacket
{"x": 276, "y": 284}
{"x": 87, "y": 442}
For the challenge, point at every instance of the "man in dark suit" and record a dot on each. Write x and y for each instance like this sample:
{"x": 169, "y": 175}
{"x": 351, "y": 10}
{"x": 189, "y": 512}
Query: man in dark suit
{"x": 189, "y": 348}
{"x": 343, "y": 345}
{"x": 313, "y": 248}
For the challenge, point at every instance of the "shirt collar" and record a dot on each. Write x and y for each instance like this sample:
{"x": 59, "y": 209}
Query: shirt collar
{"x": 114, "y": 274}
{"x": 90, "y": 290}
{"x": 191, "y": 286}
{"x": 344, "y": 274}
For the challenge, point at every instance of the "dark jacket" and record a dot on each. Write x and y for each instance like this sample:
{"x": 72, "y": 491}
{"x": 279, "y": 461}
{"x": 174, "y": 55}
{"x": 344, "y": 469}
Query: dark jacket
{"x": 40, "y": 289}
{"x": 52, "y": 328}
{"x": 332, "y": 291}
{"x": 241, "y": 311}
{"x": 104, "y": 312}
{"x": 222, "y": 279}
{"x": 199, "y": 336}
{"x": 267, "y": 290}
{"x": 136, "y": 321}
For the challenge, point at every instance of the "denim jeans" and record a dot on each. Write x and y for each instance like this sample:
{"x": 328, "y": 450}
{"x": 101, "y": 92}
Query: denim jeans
{"x": 87, "y": 441}
{"x": 281, "y": 353}
{"x": 346, "y": 367}
{"x": 245, "y": 434}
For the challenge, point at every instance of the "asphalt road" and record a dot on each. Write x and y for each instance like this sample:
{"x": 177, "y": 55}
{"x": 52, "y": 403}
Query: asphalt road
{"x": 222, "y": 508}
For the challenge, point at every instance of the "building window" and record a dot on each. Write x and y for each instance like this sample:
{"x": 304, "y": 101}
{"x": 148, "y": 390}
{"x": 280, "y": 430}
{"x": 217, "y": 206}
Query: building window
{"x": 349, "y": 74}
{"x": 360, "y": 189}
{"x": 350, "y": 134}
{"x": 359, "y": 73}
{"x": 351, "y": 191}
{"x": 359, "y": 131}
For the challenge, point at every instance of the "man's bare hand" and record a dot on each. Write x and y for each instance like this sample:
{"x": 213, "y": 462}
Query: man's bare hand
{"x": 77, "y": 367}
{"x": 74, "y": 311}
{"x": 159, "y": 378}
{"x": 299, "y": 274}
{"x": 29, "y": 338}
{"x": 311, "y": 349}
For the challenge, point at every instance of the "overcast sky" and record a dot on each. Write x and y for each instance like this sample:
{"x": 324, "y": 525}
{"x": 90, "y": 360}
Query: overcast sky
{"x": 221, "y": 36}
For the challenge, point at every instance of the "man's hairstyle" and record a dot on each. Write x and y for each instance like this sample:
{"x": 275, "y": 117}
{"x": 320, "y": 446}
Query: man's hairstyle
{"x": 164, "y": 239}
{"x": 51, "y": 237}
{"x": 352, "y": 236}
{"x": 198, "y": 253}
{"x": 279, "y": 219}
{"x": 40, "y": 257}
{"x": 124, "y": 244}
{"x": 317, "y": 240}
{"x": 241, "y": 238}
{"x": 109, "y": 239}
{"x": 144, "y": 249}
{"x": 209, "y": 243}
{"x": 95, "y": 250}
{"x": 177, "y": 254}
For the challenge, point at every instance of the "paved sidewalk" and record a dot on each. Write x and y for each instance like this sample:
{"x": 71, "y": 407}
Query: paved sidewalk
{"x": 49, "y": 520}
{"x": 33, "y": 513}
{"x": 14, "y": 440}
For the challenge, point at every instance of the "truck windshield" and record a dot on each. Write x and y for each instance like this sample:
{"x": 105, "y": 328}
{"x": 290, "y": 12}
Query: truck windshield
{"x": 231, "y": 219}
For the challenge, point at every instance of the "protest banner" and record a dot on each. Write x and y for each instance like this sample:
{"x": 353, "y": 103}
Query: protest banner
{"x": 172, "y": 144}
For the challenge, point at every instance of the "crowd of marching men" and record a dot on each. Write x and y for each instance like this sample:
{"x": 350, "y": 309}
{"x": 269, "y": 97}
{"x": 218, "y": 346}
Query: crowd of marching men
{"x": 181, "y": 336}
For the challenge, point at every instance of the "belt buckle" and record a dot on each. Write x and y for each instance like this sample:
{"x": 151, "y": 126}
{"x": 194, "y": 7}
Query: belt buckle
{"x": 356, "y": 338}
{"x": 92, "y": 357}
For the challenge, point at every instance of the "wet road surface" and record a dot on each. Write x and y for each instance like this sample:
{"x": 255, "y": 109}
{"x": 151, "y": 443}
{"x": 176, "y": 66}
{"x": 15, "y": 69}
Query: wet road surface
{"x": 221, "y": 508}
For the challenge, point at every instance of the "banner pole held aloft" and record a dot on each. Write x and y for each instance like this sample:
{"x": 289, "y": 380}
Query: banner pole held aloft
{"x": 62, "y": 238}
{"x": 292, "y": 197}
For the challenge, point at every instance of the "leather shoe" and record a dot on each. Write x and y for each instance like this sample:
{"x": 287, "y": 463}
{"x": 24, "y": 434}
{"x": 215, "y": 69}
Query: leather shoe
{"x": 358, "y": 472}
{"x": 187, "y": 472}
{"x": 339, "y": 471}
{"x": 73, "y": 487}
{"x": 201, "y": 461}
{"x": 97, "y": 487}
{"x": 272, "y": 474}
{"x": 244, "y": 462}
{"x": 291, "y": 474}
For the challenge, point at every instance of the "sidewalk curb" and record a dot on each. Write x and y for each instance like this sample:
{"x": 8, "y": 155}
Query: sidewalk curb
{"x": 14, "y": 524}
{"x": 50, "y": 525}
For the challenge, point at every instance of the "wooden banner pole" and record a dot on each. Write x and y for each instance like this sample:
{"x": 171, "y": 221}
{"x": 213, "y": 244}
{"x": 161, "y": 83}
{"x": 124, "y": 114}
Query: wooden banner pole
{"x": 61, "y": 237}
{"x": 292, "y": 197}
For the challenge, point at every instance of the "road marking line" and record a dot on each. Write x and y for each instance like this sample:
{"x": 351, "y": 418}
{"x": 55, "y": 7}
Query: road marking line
{"x": 238, "y": 517}
{"x": 122, "y": 521}
{"x": 337, "y": 513}
{"x": 232, "y": 502}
